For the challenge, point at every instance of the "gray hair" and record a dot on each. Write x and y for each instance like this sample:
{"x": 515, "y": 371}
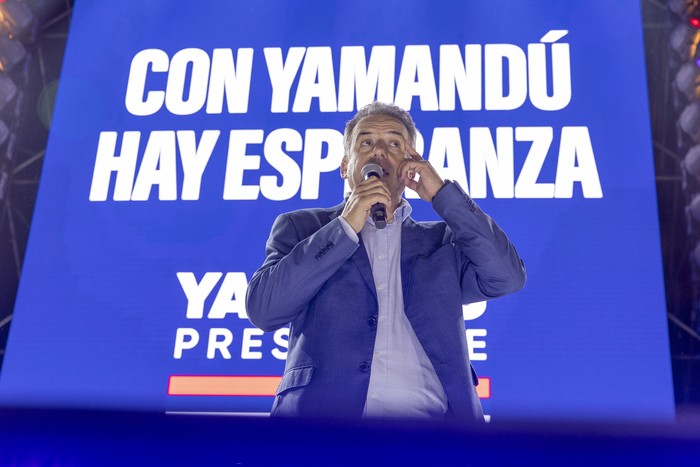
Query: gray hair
{"x": 379, "y": 108}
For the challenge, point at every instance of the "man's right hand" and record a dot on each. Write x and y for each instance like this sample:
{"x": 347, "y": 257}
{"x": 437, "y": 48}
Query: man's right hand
{"x": 363, "y": 197}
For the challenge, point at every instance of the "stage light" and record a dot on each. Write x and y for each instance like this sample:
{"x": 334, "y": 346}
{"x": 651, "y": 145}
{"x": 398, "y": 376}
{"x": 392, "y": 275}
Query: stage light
{"x": 694, "y": 208}
{"x": 4, "y": 181}
{"x": 684, "y": 40}
{"x": 691, "y": 162}
{"x": 689, "y": 121}
{"x": 688, "y": 80}
{"x": 15, "y": 18}
{"x": 679, "y": 7}
{"x": 8, "y": 90}
{"x": 12, "y": 52}
{"x": 696, "y": 255}
{"x": 693, "y": 11}
{"x": 4, "y": 132}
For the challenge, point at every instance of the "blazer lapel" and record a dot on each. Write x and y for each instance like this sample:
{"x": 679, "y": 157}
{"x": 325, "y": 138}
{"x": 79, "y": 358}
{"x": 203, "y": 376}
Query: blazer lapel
{"x": 362, "y": 263}
{"x": 359, "y": 257}
{"x": 411, "y": 240}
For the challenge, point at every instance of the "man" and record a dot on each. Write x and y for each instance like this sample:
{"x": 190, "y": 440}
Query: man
{"x": 376, "y": 313}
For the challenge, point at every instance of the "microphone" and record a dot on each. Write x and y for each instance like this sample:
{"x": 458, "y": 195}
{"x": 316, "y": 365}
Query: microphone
{"x": 378, "y": 210}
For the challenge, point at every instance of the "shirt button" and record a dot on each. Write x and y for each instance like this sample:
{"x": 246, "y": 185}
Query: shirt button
{"x": 373, "y": 396}
{"x": 364, "y": 367}
{"x": 377, "y": 353}
{"x": 372, "y": 321}
{"x": 380, "y": 288}
{"x": 380, "y": 257}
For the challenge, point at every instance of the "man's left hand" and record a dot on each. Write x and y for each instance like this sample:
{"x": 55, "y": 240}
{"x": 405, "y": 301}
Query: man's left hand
{"x": 429, "y": 181}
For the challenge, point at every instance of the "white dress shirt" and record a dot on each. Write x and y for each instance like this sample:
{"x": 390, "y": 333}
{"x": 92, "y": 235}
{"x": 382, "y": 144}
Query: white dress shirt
{"x": 403, "y": 382}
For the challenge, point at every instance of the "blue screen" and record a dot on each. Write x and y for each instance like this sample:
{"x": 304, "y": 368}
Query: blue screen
{"x": 182, "y": 130}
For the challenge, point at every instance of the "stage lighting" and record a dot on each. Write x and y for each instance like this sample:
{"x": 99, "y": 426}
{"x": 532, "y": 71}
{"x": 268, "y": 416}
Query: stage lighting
{"x": 691, "y": 162}
{"x": 12, "y": 52}
{"x": 688, "y": 10}
{"x": 694, "y": 208}
{"x": 4, "y": 132}
{"x": 679, "y": 7}
{"x": 15, "y": 18}
{"x": 8, "y": 90}
{"x": 10, "y": 145}
{"x": 689, "y": 121}
{"x": 695, "y": 254}
{"x": 688, "y": 80}
{"x": 694, "y": 13}
{"x": 684, "y": 40}
{"x": 4, "y": 181}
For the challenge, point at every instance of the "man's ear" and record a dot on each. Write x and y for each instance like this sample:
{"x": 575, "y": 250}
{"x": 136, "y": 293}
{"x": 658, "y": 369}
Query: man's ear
{"x": 344, "y": 168}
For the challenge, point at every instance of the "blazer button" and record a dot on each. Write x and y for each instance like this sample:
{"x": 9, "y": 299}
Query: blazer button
{"x": 364, "y": 367}
{"x": 372, "y": 321}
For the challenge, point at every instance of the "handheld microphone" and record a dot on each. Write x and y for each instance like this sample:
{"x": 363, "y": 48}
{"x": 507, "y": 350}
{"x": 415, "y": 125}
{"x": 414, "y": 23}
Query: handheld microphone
{"x": 378, "y": 210}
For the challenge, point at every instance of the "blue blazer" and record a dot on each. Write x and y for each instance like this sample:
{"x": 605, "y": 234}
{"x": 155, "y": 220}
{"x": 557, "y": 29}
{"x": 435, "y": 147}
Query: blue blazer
{"x": 320, "y": 281}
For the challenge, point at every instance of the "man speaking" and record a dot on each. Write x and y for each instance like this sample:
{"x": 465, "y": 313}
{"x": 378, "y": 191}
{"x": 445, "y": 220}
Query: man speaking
{"x": 374, "y": 298}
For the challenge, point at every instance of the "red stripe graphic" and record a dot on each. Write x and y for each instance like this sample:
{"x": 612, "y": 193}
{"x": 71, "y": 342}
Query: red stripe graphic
{"x": 223, "y": 385}
{"x": 483, "y": 390}
{"x": 209, "y": 385}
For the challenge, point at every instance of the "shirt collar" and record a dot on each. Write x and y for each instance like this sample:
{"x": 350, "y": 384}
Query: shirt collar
{"x": 403, "y": 210}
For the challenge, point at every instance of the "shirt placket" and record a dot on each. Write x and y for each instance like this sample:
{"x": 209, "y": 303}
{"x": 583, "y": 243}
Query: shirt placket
{"x": 383, "y": 289}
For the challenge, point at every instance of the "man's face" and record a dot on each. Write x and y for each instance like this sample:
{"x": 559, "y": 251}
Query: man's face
{"x": 382, "y": 140}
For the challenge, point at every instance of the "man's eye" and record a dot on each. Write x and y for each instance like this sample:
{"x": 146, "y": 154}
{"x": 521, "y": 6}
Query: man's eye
{"x": 396, "y": 144}
{"x": 366, "y": 142}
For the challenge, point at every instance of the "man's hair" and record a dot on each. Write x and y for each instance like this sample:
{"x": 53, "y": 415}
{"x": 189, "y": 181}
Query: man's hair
{"x": 379, "y": 108}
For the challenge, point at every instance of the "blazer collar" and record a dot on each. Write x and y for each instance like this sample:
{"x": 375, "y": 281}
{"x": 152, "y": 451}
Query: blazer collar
{"x": 359, "y": 257}
{"x": 411, "y": 245}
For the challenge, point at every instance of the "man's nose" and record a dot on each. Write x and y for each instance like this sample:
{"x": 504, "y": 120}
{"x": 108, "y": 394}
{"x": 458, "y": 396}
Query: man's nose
{"x": 380, "y": 149}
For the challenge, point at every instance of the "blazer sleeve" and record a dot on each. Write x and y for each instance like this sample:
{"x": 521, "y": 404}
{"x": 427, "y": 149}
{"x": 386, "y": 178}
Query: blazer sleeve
{"x": 294, "y": 269}
{"x": 491, "y": 267}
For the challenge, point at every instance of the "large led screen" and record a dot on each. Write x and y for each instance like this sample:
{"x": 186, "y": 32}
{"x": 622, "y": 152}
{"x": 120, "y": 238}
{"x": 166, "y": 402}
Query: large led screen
{"x": 181, "y": 130}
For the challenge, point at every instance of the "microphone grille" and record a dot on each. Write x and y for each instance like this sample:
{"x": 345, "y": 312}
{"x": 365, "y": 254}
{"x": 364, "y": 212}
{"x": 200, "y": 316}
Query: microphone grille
{"x": 370, "y": 170}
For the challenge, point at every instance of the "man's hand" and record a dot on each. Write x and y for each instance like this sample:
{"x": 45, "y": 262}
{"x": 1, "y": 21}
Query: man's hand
{"x": 429, "y": 182}
{"x": 363, "y": 197}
